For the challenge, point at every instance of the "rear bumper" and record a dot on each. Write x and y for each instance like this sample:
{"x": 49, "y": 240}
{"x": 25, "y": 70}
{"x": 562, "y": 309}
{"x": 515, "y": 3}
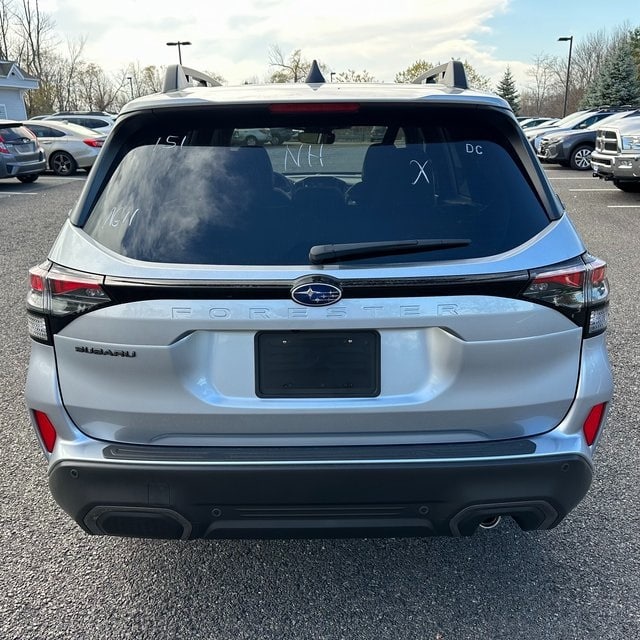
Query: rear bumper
{"x": 15, "y": 169}
{"x": 310, "y": 498}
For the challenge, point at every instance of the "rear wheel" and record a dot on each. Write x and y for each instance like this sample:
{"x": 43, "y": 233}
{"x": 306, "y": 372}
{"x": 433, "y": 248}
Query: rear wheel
{"x": 62, "y": 164}
{"x": 629, "y": 187}
{"x": 581, "y": 158}
{"x": 32, "y": 177}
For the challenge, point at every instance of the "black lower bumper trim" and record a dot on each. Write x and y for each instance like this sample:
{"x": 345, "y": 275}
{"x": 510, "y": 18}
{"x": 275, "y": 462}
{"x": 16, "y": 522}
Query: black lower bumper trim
{"x": 318, "y": 500}
{"x": 450, "y": 451}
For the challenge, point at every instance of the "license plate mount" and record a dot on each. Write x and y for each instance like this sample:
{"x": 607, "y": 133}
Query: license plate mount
{"x": 317, "y": 364}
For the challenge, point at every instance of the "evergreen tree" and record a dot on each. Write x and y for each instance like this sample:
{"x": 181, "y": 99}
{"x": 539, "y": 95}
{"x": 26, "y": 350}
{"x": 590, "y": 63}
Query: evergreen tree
{"x": 507, "y": 89}
{"x": 617, "y": 83}
{"x": 634, "y": 41}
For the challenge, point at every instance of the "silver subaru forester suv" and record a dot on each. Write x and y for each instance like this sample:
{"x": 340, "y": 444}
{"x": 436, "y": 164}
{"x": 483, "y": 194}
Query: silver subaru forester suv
{"x": 331, "y": 337}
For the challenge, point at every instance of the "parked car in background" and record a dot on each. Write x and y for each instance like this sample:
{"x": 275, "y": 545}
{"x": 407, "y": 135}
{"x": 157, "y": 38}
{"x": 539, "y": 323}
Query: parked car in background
{"x": 21, "y": 156}
{"x": 280, "y": 135}
{"x": 528, "y": 123}
{"x": 377, "y": 134}
{"x": 250, "y": 137}
{"x": 577, "y": 120}
{"x": 97, "y": 120}
{"x": 573, "y": 148}
{"x": 69, "y": 147}
{"x": 617, "y": 154}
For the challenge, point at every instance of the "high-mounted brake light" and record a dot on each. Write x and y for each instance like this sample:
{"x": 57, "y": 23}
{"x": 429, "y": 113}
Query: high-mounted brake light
{"x": 56, "y": 295}
{"x": 315, "y": 107}
{"x": 579, "y": 290}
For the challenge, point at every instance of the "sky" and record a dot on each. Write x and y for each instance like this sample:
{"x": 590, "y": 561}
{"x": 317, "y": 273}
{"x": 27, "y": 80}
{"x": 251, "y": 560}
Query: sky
{"x": 233, "y": 38}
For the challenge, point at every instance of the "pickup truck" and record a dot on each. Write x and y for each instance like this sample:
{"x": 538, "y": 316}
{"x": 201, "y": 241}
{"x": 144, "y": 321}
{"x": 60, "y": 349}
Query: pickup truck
{"x": 617, "y": 154}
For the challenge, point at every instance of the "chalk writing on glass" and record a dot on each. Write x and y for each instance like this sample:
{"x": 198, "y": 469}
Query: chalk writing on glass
{"x": 301, "y": 159}
{"x": 171, "y": 141}
{"x": 120, "y": 216}
{"x": 474, "y": 148}
{"x": 422, "y": 173}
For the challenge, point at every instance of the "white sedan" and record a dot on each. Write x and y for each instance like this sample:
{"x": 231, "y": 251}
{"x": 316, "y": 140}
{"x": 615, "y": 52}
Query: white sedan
{"x": 68, "y": 147}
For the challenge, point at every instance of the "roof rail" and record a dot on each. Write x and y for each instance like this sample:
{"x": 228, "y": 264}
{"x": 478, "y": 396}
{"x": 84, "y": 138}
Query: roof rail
{"x": 178, "y": 77}
{"x": 451, "y": 74}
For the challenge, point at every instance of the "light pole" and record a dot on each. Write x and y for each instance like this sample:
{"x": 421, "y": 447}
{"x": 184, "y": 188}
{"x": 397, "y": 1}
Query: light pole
{"x": 566, "y": 88}
{"x": 130, "y": 79}
{"x": 178, "y": 44}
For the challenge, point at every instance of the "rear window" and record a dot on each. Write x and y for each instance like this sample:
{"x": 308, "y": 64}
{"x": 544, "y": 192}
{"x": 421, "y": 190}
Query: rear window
{"x": 208, "y": 188}
{"x": 15, "y": 134}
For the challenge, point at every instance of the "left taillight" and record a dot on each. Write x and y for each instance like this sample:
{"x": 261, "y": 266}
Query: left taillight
{"x": 57, "y": 295}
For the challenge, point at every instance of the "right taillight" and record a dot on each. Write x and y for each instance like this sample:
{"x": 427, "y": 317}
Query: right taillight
{"x": 57, "y": 295}
{"x": 579, "y": 290}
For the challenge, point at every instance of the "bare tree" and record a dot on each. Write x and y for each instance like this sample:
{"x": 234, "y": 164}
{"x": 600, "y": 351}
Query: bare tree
{"x": 6, "y": 14}
{"x": 35, "y": 30}
{"x": 97, "y": 90}
{"x": 545, "y": 84}
{"x": 354, "y": 76}
{"x": 292, "y": 69}
{"x": 413, "y": 71}
{"x": 295, "y": 68}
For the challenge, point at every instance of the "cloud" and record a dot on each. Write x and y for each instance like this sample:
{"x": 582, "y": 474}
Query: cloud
{"x": 233, "y": 38}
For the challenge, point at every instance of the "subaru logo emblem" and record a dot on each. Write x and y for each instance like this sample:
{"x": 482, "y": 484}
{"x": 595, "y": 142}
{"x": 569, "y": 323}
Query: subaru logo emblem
{"x": 316, "y": 293}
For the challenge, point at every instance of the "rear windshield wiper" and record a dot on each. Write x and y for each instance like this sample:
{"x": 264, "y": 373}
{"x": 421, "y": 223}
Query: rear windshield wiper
{"x": 323, "y": 253}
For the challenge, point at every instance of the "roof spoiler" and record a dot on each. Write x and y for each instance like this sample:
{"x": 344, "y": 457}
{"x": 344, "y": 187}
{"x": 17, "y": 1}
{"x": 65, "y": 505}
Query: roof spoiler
{"x": 451, "y": 74}
{"x": 178, "y": 77}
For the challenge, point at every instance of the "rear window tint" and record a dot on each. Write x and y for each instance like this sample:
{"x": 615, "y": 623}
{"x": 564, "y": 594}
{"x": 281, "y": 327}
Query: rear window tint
{"x": 199, "y": 196}
{"x": 15, "y": 134}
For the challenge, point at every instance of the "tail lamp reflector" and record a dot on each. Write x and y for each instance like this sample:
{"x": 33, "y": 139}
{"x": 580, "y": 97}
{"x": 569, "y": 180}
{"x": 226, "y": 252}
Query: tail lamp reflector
{"x": 593, "y": 423}
{"x": 46, "y": 430}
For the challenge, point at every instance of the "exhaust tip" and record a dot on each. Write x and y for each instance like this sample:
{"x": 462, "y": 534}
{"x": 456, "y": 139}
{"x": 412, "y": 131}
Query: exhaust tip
{"x": 490, "y": 522}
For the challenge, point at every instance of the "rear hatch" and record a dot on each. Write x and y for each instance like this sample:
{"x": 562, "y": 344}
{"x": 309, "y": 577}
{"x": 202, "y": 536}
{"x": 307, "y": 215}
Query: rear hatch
{"x": 326, "y": 291}
{"x": 20, "y": 143}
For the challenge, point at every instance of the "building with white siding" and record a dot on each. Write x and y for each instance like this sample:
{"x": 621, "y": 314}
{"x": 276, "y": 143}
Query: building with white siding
{"x": 14, "y": 83}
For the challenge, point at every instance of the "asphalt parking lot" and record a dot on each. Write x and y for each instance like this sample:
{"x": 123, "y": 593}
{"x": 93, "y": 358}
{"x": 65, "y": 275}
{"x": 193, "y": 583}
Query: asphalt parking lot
{"x": 579, "y": 581}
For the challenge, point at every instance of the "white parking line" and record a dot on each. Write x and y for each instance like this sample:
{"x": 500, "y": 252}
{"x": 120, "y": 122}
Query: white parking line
{"x": 623, "y": 206}
{"x": 596, "y": 189}
{"x": 18, "y": 193}
{"x": 582, "y": 178}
